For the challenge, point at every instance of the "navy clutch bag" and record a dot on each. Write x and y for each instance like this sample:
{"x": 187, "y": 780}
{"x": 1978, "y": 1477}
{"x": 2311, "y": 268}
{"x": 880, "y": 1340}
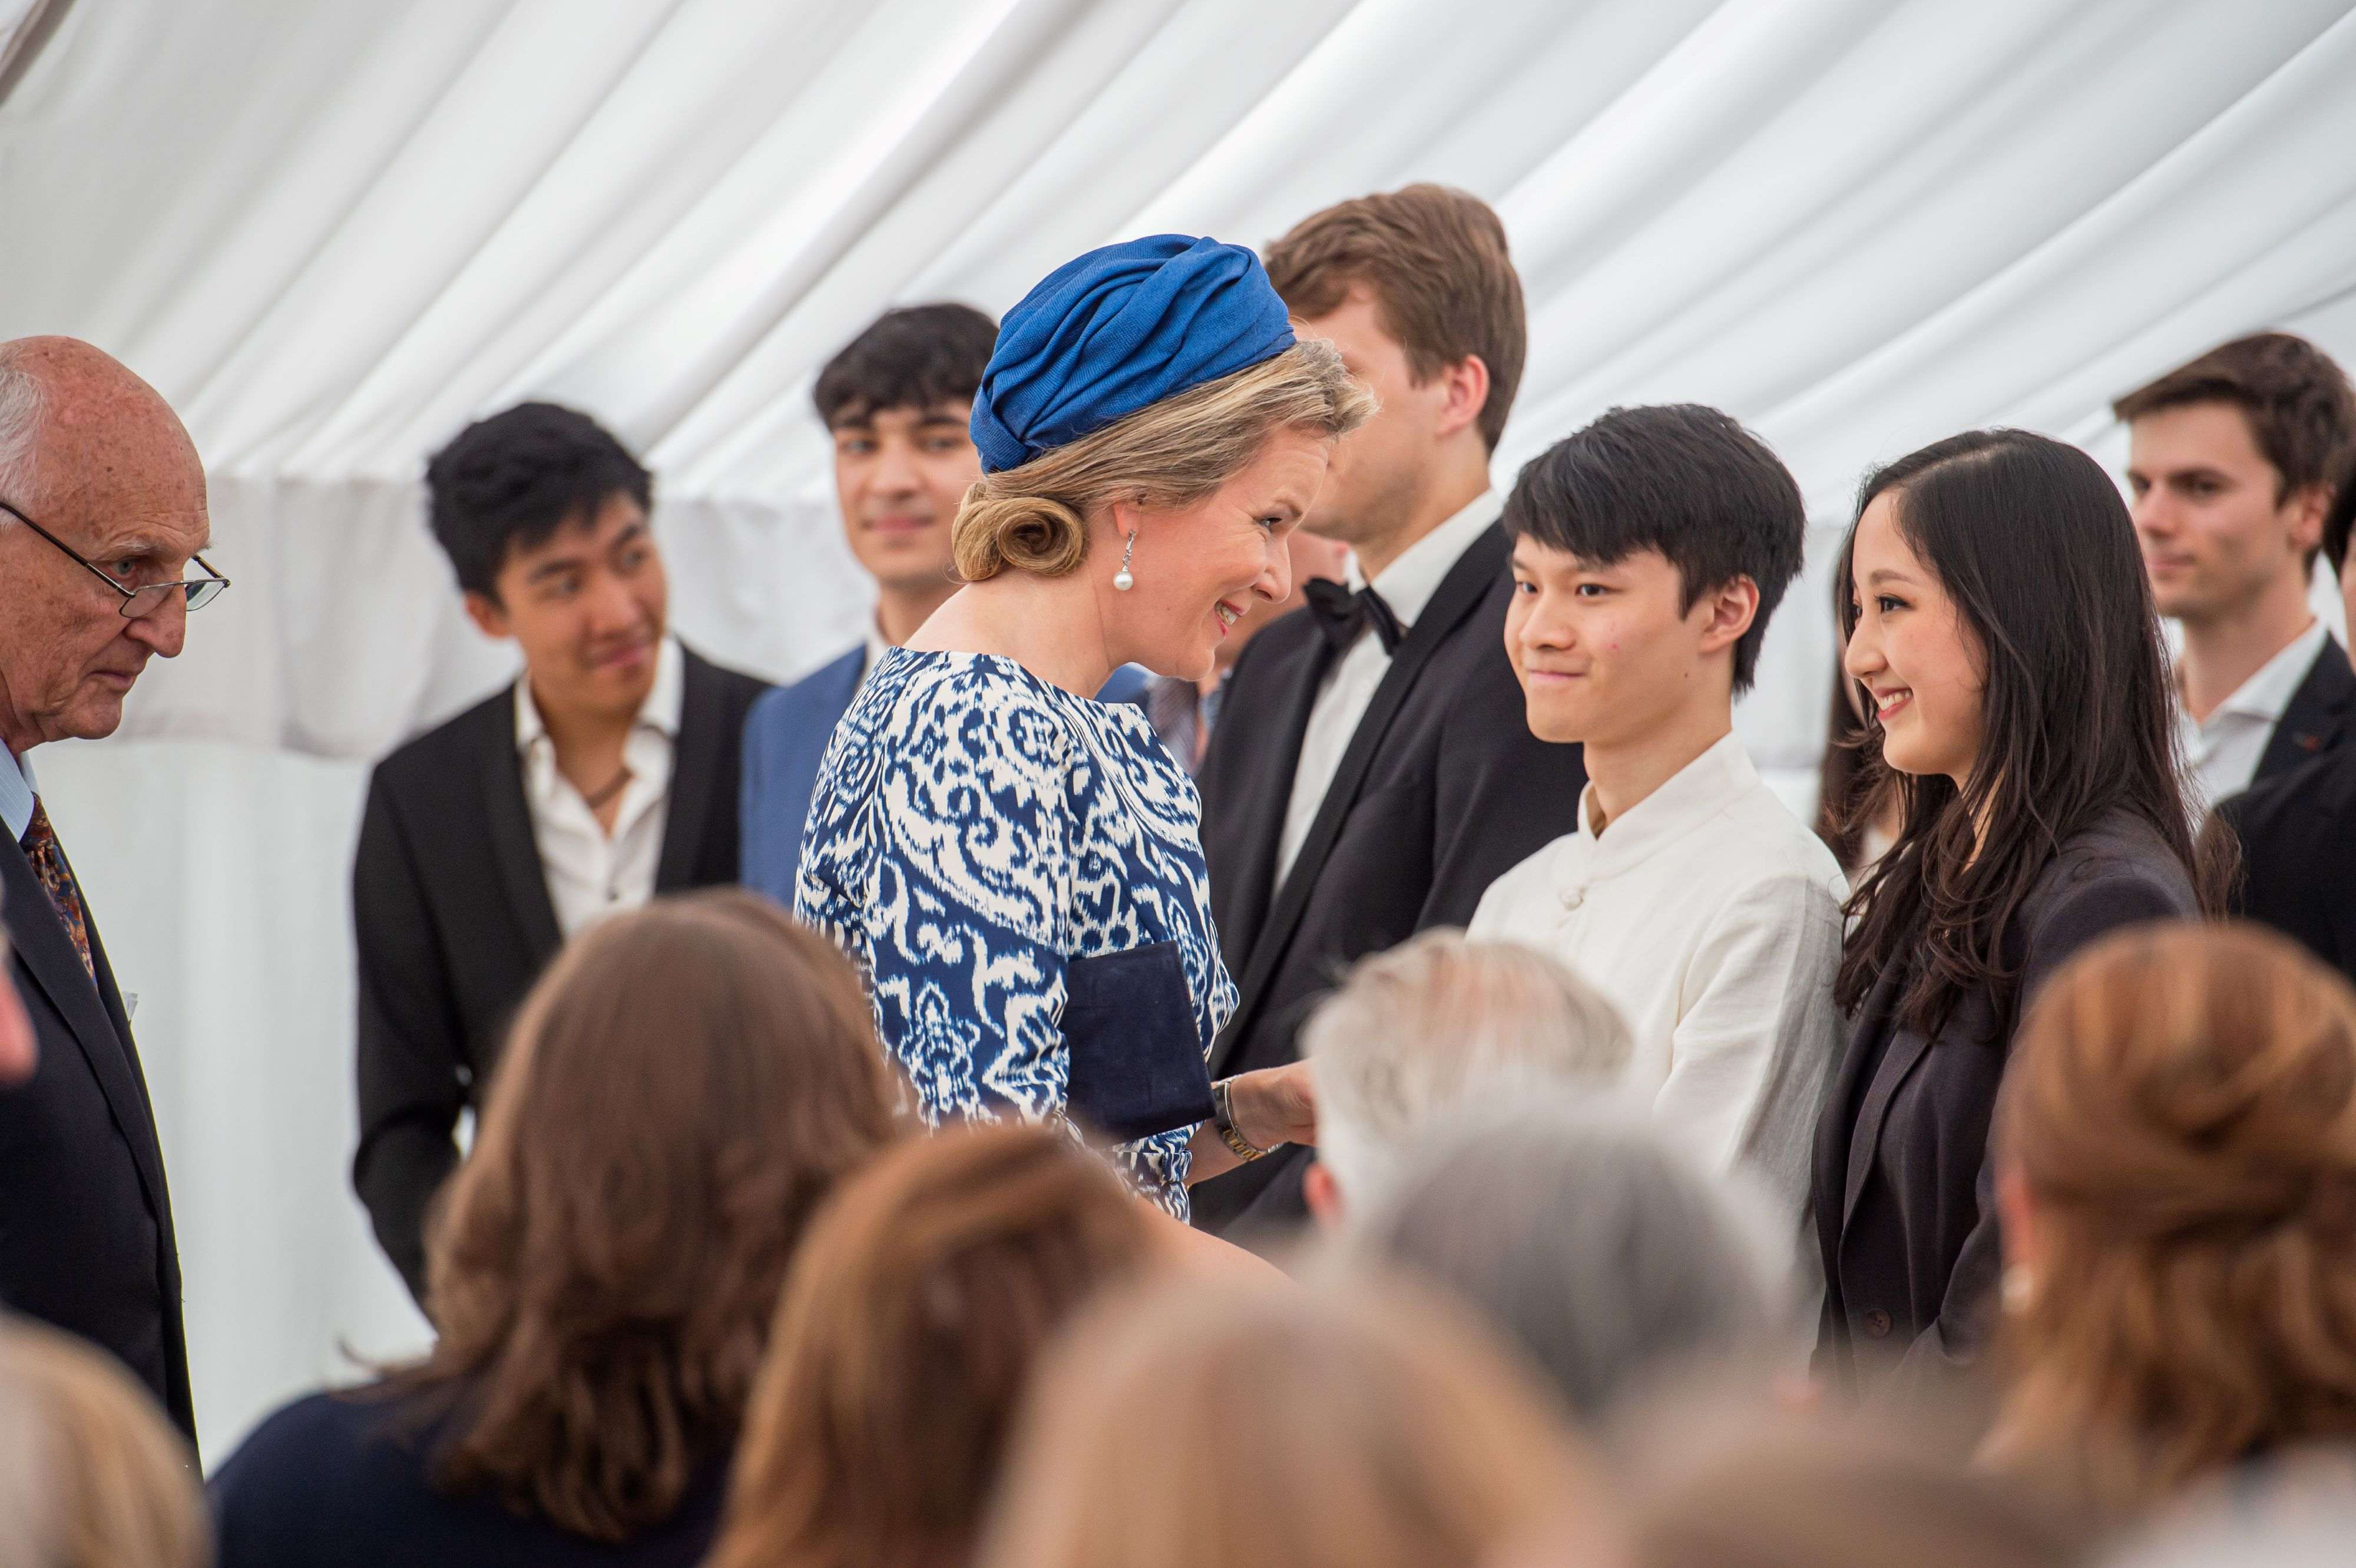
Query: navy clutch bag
{"x": 1137, "y": 1065}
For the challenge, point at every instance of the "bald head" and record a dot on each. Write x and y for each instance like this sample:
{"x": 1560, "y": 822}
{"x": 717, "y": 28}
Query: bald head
{"x": 94, "y": 457}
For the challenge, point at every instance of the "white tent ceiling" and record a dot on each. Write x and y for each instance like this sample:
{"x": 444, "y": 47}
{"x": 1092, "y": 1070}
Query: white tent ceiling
{"x": 330, "y": 233}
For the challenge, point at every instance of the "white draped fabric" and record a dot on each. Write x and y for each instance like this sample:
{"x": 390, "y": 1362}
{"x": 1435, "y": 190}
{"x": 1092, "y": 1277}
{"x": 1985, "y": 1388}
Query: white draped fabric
{"x": 332, "y": 233}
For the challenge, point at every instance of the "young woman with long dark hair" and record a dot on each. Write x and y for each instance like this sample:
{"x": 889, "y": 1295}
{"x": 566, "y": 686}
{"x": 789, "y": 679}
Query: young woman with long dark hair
{"x": 2001, "y": 630}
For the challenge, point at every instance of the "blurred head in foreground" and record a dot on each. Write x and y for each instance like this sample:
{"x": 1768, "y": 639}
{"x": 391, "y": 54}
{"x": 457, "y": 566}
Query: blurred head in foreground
{"x": 1432, "y": 1022}
{"x": 1590, "y": 1243}
{"x": 92, "y": 1476}
{"x": 2176, "y": 1148}
{"x": 1231, "y": 1423}
{"x": 907, "y": 1333}
{"x": 1792, "y": 1491}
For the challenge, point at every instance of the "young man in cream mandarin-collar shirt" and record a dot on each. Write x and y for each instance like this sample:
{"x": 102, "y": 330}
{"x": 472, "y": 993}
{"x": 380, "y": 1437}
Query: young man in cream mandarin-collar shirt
{"x": 1649, "y": 551}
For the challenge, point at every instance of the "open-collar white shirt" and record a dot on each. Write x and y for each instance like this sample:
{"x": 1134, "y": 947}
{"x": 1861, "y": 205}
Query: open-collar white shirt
{"x": 591, "y": 872}
{"x": 1712, "y": 917}
{"x": 1407, "y": 586}
{"x": 2225, "y": 748}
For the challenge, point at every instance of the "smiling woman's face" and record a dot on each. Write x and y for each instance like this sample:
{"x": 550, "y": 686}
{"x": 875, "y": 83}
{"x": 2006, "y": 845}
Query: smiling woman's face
{"x": 1196, "y": 569}
{"x": 1922, "y": 667}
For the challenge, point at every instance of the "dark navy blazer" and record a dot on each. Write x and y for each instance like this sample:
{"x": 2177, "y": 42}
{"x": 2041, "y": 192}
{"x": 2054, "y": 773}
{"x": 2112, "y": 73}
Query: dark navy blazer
{"x": 786, "y": 736}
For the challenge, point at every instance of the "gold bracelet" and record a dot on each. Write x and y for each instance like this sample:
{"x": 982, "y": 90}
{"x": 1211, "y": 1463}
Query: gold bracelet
{"x": 1223, "y": 1117}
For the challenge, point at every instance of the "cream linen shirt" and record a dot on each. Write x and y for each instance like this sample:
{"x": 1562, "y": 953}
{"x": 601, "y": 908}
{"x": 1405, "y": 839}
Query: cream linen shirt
{"x": 1407, "y": 586}
{"x": 590, "y": 874}
{"x": 1712, "y": 918}
{"x": 2224, "y": 748}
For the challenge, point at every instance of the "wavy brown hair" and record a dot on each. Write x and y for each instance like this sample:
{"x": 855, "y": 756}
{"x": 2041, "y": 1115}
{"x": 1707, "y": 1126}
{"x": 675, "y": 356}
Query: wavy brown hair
{"x": 2181, "y": 1113}
{"x": 907, "y": 1329}
{"x": 681, "y": 1090}
{"x": 2031, "y": 540}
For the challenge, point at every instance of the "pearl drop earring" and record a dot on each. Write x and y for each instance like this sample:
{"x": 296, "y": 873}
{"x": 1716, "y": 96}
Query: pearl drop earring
{"x": 1121, "y": 579}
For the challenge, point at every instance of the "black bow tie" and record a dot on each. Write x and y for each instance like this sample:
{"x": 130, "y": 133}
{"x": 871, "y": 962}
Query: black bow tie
{"x": 1341, "y": 615}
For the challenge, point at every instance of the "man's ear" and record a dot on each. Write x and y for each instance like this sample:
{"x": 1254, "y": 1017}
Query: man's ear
{"x": 1467, "y": 381}
{"x": 1732, "y": 607}
{"x": 1323, "y": 1195}
{"x": 2307, "y": 509}
{"x": 488, "y": 616}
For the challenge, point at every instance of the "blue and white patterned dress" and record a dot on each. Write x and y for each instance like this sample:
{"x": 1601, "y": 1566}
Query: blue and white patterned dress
{"x": 975, "y": 831}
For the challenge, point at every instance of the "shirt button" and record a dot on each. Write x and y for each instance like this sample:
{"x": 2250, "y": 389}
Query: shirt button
{"x": 1877, "y": 1324}
{"x": 1572, "y": 897}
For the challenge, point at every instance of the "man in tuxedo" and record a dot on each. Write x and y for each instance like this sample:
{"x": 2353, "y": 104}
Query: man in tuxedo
{"x": 2230, "y": 464}
{"x": 896, "y": 401}
{"x": 1371, "y": 772}
{"x": 102, "y": 516}
{"x": 606, "y": 775}
{"x": 2298, "y": 829}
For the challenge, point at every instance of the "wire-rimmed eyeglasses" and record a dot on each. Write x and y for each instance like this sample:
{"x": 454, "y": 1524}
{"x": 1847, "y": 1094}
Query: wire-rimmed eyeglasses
{"x": 148, "y": 597}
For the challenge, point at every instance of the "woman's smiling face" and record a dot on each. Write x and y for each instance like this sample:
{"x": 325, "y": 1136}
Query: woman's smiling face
{"x": 1196, "y": 569}
{"x": 1924, "y": 668}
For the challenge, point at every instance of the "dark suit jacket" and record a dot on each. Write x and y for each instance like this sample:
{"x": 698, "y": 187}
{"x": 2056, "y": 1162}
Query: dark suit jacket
{"x": 86, "y": 1238}
{"x": 1903, "y": 1196}
{"x": 1442, "y": 789}
{"x": 785, "y": 737}
{"x": 2318, "y": 717}
{"x": 2298, "y": 832}
{"x": 346, "y": 1478}
{"x": 451, "y": 909}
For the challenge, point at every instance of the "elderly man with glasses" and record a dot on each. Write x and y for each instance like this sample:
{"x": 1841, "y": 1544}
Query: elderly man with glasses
{"x": 102, "y": 517}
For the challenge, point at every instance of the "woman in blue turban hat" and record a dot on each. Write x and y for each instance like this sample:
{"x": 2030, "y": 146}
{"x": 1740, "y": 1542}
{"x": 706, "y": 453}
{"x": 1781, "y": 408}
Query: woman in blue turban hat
{"x": 1017, "y": 868}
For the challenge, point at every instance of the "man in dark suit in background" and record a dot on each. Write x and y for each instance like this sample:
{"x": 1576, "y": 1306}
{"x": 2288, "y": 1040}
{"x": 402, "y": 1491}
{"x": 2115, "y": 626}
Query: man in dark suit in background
{"x": 2230, "y": 462}
{"x": 101, "y": 515}
{"x": 606, "y": 775}
{"x": 1373, "y": 771}
{"x": 2298, "y": 829}
{"x": 896, "y": 401}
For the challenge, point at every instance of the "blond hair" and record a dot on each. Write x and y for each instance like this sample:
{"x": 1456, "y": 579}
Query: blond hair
{"x": 2181, "y": 1109}
{"x": 1035, "y": 518}
{"x": 90, "y": 1476}
{"x": 1232, "y": 1421}
{"x": 1437, "y": 1020}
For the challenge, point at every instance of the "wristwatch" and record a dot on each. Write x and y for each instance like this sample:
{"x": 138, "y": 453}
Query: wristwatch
{"x": 1223, "y": 1118}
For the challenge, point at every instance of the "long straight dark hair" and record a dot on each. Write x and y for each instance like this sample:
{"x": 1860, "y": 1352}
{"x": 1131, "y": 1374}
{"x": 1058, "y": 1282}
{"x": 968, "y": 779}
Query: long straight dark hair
{"x": 2032, "y": 541}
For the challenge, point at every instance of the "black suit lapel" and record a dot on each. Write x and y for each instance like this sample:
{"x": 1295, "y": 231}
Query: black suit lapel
{"x": 508, "y": 819}
{"x": 1459, "y": 595}
{"x": 695, "y": 758}
{"x": 1873, "y": 1095}
{"x": 93, "y": 1012}
{"x": 2315, "y": 719}
{"x": 1256, "y": 771}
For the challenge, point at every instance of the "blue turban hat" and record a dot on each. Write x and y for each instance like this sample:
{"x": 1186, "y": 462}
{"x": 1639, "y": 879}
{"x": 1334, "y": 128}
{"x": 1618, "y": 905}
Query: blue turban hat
{"x": 1117, "y": 330}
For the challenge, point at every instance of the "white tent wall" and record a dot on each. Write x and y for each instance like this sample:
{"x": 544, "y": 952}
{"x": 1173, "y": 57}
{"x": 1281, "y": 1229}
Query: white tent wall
{"x": 331, "y": 234}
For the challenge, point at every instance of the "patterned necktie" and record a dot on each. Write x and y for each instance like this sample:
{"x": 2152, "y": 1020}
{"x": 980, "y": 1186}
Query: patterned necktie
{"x": 40, "y": 844}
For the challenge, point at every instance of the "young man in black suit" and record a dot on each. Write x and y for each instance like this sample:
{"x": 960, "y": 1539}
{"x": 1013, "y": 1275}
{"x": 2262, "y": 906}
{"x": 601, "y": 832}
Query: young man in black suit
{"x": 606, "y": 774}
{"x": 2297, "y": 830}
{"x": 1372, "y": 772}
{"x": 2230, "y": 463}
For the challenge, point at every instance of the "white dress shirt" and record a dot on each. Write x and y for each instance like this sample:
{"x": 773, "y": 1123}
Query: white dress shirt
{"x": 590, "y": 872}
{"x": 1407, "y": 586}
{"x": 1712, "y": 917}
{"x": 2224, "y": 748}
{"x": 16, "y": 794}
